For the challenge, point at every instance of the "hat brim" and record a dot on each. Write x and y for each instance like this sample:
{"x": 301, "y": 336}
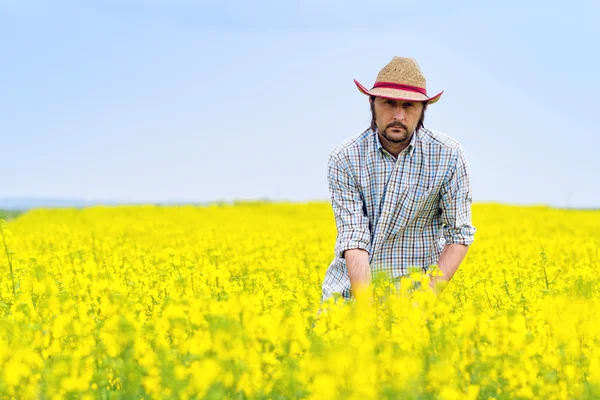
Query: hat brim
{"x": 398, "y": 94}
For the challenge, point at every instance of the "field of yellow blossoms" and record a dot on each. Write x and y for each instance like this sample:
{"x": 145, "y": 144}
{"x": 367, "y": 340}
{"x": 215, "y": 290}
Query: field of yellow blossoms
{"x": 223, "y": 301}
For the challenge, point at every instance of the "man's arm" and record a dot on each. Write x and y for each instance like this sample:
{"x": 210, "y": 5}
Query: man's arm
{"x": 359, "y": 271}
{"x": 452, "y": 255}
{"x": 353, "y": 234}
{"x": 455, "y": 203}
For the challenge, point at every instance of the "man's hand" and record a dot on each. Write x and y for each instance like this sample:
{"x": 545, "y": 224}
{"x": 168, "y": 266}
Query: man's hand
{"x": 437, "y": 283}
{"x": 450, "y": 259}
{"x": 359, "y": 272}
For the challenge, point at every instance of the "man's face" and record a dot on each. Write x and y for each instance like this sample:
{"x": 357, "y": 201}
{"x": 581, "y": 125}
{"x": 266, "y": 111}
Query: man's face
{"x": 397, "y": 119}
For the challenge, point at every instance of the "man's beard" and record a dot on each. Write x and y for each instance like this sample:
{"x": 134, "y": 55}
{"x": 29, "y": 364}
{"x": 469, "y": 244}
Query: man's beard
{"x": 396, "y": 140}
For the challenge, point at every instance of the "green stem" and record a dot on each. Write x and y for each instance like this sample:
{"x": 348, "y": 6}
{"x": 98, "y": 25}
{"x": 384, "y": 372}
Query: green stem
{"x": 12, "y": 276}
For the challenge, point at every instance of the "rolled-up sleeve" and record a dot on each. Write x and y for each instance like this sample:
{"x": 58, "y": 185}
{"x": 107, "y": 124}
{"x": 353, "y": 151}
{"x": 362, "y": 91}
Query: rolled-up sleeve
{"x": 455, "y": 203}
{"x": 351, "y": 222}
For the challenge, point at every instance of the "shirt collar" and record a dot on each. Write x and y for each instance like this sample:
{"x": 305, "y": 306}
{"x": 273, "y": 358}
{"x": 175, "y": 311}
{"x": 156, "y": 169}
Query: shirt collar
{"x": 409, "y": 149}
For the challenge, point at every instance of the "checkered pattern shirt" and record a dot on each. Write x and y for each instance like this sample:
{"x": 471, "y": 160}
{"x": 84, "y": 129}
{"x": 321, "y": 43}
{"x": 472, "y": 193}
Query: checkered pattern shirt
{"x": 401, "y": 211}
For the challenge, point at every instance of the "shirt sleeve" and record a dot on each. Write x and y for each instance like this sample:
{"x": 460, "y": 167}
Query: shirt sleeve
{"x": 351, "y": 221}
{"x": 455, "y": 203}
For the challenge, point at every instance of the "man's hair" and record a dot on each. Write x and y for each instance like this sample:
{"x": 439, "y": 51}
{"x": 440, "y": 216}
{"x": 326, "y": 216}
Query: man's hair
{"x": 373, "y": 126}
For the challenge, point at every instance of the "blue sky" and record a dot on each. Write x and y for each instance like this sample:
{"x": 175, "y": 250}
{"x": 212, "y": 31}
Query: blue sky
{"x": 162, "y": 101}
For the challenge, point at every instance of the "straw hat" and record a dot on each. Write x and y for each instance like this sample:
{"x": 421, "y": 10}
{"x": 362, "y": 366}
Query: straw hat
{"x": 400, "y": 79}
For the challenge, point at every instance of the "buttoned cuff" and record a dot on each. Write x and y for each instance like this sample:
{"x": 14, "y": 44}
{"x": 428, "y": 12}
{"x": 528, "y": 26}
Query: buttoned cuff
{"x": 349, "y": 244}
{"x": 462, "y": 235}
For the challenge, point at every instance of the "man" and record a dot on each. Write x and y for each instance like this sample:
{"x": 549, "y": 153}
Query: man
{"x": 400, "y": 193}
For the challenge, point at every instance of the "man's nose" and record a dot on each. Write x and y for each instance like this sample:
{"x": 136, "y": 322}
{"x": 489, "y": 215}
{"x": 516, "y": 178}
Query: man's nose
{"x": 398, "y": 113}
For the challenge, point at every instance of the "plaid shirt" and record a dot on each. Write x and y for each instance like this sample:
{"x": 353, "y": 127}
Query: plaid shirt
{"x": 402, "y": 211}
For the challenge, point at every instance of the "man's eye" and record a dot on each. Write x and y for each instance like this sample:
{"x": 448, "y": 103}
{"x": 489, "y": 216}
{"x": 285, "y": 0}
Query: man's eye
{"x": 389, "y": 102}
{"x": 408, "y": 104}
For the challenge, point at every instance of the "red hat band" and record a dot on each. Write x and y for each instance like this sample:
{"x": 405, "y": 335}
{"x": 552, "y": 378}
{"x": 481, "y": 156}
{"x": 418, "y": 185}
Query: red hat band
{"x": 399, "y": 86}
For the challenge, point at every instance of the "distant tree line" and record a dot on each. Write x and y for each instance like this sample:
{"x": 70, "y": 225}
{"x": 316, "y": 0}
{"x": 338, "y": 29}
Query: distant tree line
{"x": 7, "y": 215}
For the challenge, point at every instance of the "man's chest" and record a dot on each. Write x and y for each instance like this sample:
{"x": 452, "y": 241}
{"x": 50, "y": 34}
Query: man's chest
{"x": 402, "y": 193}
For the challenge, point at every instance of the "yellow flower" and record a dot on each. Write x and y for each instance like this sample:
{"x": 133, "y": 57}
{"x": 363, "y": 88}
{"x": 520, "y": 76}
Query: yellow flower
{"x": 223, "y": 301}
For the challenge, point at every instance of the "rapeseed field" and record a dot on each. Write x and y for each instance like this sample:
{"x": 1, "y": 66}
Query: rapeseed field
{"x": 223, "y": 301}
